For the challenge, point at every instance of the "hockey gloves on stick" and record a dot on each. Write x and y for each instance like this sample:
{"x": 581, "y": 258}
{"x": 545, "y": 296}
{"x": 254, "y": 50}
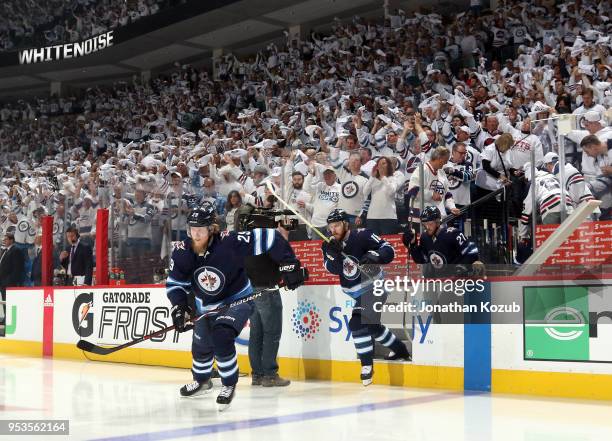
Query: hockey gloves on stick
{"x": 181, "y": 317}
{"x": 293, "y": 274}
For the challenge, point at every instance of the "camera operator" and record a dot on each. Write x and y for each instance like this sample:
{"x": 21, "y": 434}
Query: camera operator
{"x": 267, "y": 317}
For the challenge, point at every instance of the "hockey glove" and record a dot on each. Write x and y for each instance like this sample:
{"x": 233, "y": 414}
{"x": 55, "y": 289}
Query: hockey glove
{"x": 181, "y": 318}
{"x": 333, "y": 249}
{"x": 408, "y": 238}
{"x": 293, "y": 274}
{"x": 370, "y": 257}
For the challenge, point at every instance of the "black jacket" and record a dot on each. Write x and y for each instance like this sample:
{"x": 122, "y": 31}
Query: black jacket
{"x": 82, "y": 262}
{"x": 37, "y": 267}
{"x": 12, "y": 267}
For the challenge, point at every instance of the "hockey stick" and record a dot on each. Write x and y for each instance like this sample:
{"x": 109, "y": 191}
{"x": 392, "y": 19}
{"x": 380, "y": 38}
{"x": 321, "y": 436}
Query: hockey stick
{"x": 315, "y": 229}
{"x": 102, "y": 350}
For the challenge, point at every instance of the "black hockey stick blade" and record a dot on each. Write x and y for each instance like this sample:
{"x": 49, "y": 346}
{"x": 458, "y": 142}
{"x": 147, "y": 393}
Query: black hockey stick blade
{"x": 90, "y": 347}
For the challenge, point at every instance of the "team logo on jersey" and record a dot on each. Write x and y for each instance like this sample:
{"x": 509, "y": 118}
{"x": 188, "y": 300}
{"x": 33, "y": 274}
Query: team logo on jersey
{"x": 350, "y": 189}
{"x": 23, "y": 226}
{"x": 437, "y": 260}
{"x": 437, "y": 187}
{"x": 210, "y": 280}
{"x": 350, "y": 268}
{"x": 453, "y": 182}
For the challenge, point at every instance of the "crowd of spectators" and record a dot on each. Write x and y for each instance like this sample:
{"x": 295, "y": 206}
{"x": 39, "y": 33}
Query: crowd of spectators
{"x": 372, "y": 118}
{"x": 33, "y": 23}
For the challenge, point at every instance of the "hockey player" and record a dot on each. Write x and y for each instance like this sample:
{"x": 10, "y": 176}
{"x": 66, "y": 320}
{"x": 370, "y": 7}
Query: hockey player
{"x": 575, "y": 186}
{"x": 343, "y": 255}
{"x": 548, "y": 200}
{"x": 211, "y": 265}
{"x": 440, "y": 245}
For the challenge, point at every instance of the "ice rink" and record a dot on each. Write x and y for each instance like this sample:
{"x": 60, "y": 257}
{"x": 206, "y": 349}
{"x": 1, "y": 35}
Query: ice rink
{"x": 129, "y": 402}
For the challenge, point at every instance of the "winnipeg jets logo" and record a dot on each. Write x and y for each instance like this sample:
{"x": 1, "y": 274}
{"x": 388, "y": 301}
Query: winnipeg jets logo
{"x": 453, "y": 182}
{"x": 437, "y": 260}
{"x": 437, "y": 187}
{"x": 350, "y": 189}
{"x": 350, "y": 268}
{"x": 210, "y": 280}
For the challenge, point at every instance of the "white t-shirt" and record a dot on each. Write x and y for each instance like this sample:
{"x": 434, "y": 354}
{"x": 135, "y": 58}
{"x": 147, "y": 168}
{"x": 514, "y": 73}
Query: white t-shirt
{"x": 382, "y": 197}
{"x": 324, "y": 199}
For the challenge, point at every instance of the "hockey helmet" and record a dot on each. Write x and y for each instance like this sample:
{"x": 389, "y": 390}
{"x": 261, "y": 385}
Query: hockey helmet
{"x": 202, "y": 216}
{"x": 430, "y": 213}
{"x": 337, "y": 215}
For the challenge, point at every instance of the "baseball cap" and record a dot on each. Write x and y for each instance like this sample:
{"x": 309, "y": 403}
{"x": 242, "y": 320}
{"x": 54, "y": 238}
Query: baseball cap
{"x": 550, "y": 157}
{"x": 592, "y": 116}
{"x": 329, "y": 168}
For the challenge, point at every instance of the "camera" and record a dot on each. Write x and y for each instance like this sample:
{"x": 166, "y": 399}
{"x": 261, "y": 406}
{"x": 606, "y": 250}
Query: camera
{"x": 251, "y": 217}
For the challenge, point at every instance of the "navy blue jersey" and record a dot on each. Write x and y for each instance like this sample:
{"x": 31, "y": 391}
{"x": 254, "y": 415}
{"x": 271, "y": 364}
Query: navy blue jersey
{"x": 219, "y": 276}
{"x": 358, "y": 243}
{"x": 448, "y": 247}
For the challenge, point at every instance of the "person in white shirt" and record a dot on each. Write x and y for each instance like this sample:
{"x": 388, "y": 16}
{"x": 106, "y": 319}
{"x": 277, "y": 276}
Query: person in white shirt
{"x": 297, "y": 198}
{"x": 460, "y": 174}
{"x": 234, "y": 202}
{"x": 601, "y": 184}
{"x": 587, "y": 104}
{"x": 379, "y": 193}
{"x": 436, "y": 187}
{"x": 325, "y": 193}
{"x": 352, "y": 184}
{"x": 594, "y": 124}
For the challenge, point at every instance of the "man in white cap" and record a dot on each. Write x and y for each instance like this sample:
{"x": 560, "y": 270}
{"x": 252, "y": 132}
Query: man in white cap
{"x": 594, "y": 124}
{"x": 588, "y": 104}
{"x": 324, "y": 188}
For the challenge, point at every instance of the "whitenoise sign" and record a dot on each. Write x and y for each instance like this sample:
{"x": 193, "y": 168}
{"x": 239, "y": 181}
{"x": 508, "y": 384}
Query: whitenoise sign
{"x": 66, "y": 51}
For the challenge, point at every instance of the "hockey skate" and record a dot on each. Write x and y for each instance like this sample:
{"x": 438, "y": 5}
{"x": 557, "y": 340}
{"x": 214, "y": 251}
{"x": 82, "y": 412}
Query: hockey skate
{"x": 225, "y": 397}
{"x": 402, "y": 355}
{"x": 367, "y": 372}
{"x": 196, "y": 388}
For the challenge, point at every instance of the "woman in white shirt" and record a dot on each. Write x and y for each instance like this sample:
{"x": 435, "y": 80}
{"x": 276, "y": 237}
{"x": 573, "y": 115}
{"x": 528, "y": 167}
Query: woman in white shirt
{"x": 379, "y": 193}
{"x": 234, "y": 201}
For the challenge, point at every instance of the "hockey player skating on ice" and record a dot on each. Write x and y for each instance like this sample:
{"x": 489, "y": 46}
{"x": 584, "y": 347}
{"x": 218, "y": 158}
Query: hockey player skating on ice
{"x": 440, "y": 245}
{"x": 343, "y": 255}
{"x": 211, "y": 265}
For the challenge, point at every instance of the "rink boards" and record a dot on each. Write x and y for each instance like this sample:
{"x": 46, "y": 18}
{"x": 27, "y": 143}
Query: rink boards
{"x": 573, "y": 359}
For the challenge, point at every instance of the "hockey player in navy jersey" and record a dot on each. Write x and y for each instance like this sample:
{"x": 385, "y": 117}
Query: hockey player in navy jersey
{"x": 343, "y": 255}
{"x": 440, "y": 246}
{"x": 211, "y": 266}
